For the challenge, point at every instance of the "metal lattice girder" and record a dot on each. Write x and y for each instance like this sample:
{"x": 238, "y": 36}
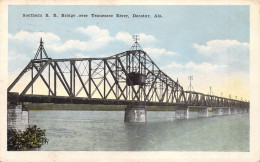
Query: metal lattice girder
{"x": 200, "y": 99}
{"x": 110, "y": 79}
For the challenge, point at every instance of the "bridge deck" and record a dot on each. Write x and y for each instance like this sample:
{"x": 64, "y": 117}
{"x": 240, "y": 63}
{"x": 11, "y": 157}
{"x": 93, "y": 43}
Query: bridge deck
{"x": 83, "y": 100}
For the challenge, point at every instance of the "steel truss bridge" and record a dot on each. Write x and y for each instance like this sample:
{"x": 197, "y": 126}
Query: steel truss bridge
{"x": 130, "y": 77}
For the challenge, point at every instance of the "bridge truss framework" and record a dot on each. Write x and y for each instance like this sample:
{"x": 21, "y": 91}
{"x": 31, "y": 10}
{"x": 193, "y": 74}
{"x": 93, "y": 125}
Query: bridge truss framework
{"x": 130, "y": 77}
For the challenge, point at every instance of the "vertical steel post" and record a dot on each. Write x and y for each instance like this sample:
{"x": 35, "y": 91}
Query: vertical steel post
{"x": 167, "y": 95}
{"x": 31, "y": 79}
{"x": 145, "y": 75}
{"x": 90, "y": 79}
{"x": 132, "y": 62}
{"x": 55, "y": 84}
{"x": 117, "y": 95}
{"x": 73, "y": 82}
{"x": 49, "y": 78}
{"x": 105, "y": 78}
{"x": 41, "y": 48}
{"x": 71, "y": 93}
{"x": 139, "y": 61}
{"x": 126, "y": 76}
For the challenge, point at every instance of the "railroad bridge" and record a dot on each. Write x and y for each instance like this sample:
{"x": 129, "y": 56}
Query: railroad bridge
{"x": 129, "y": 78}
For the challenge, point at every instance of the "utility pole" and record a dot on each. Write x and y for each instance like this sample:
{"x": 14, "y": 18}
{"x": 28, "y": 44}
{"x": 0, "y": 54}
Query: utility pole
{"x": 210, "y": 91}
{"x": 190, "y": 88}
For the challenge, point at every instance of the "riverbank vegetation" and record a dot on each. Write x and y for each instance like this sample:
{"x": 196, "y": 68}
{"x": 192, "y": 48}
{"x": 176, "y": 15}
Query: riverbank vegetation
{"x": 27, "y": 140}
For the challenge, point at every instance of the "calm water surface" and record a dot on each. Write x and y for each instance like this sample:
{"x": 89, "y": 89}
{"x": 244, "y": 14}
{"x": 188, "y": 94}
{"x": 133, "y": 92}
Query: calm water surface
{"x": 106, "y": 131}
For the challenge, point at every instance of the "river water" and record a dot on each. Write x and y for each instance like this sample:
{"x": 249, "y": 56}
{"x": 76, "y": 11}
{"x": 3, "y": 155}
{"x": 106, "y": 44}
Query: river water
{"x": 106, "y": 131}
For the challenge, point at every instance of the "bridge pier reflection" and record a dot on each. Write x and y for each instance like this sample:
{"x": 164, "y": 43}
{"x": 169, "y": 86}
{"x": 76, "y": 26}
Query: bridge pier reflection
{"x": 135, "y": 114}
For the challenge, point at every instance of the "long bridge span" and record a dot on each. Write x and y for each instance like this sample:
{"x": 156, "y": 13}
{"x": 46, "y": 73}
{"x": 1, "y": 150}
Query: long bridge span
{"x": 129, "y": 78}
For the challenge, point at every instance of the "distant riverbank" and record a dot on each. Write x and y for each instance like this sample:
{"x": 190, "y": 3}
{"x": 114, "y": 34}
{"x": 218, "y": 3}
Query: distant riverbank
{"x": 51, "y": 106}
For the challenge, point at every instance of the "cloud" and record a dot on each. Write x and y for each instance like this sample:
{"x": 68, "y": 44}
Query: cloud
{"x": 207, "y": 74}
{"x": 220, "y": 64}
{"x": 33, "y": 37}
{"x": 70, "y": 44}
{"x": 13, "y": 56}
{"x": 157, "y": 52}
{"x": 204, "y": 67}
{"x": 127, "y": 38}
{"x": 225, "y": 51}
{"x": 80, "y": 55}
{"x": 94, "y": 32}
{"x": 98, "y": 39}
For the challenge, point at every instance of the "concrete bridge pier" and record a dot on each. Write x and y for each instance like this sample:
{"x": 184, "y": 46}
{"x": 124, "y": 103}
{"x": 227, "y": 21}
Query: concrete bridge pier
{"x": 226, "y": 111}
{"x": 182, "y": 112}
{"x": 135, "y": 114}
{"x": 203, "y": 111}
{"x": 239, "y": 110}
{"x": 17, "y": 115}
{"x": 247, "y": 110}
{"x": 233, "y": 110}
{"x": 217, "y": 111}
{"x": 229, "y": 111}
{"x": 244, "y": 110}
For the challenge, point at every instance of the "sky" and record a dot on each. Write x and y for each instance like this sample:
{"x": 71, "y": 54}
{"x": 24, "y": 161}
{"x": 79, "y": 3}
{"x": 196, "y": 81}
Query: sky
{"x": 211, "y": 43}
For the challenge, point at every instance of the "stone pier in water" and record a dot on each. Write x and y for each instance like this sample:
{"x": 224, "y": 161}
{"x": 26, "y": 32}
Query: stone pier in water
{"x": 203, "y": 111}
{"x": 17, "y": 115}
{"x": 135, "y": 114}
{"x": 182, "y": 112}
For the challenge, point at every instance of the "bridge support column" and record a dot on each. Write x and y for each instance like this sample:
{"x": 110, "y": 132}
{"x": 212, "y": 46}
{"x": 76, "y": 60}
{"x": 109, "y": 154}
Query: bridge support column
{"x": 247, "y": 110}
{"x": 135, "y": 114}
{"x": 203, "y": 111}
{"x": 182, "y": 112}
{"x": 17, "y": 115}
{"x": 217, "y": 111}
{"x": 244, "y": 110}
{"x": 233, "y": 110}
{"x": 225, "y": 111}
{"x": 239, "y": 110}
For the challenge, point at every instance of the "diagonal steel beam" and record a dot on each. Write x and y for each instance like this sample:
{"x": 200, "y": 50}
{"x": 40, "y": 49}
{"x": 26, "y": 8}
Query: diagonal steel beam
{"x": 80, "y": 79}
{"x": 111, "y": 89}
{"x": 19, "y": 77}
{"x": 60, "y": 78}
{"x": 35, "y": 77}
{"x": 64, "y": 79}
{"x": 115, "y": 79}
{"x": 43, "y": 79}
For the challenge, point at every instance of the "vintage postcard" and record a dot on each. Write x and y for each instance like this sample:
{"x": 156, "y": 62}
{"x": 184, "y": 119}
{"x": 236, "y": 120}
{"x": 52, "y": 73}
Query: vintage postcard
{"x": 139, "y": 81}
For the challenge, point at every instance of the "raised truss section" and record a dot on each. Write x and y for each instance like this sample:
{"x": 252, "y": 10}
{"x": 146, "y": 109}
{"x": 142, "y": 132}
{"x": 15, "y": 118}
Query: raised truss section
{"x": 124, "y": 78}
{"x": 129, "y": 76}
